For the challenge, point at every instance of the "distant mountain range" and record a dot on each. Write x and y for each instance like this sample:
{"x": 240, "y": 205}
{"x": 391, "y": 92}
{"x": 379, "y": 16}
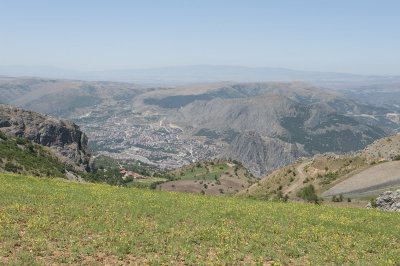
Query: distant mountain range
{"x": 264, "y": 125}
{"x": 178, "y": 75}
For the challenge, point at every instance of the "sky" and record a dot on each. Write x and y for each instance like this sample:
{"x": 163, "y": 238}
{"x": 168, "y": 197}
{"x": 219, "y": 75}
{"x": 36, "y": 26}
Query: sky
{"x": 353, "y": 36}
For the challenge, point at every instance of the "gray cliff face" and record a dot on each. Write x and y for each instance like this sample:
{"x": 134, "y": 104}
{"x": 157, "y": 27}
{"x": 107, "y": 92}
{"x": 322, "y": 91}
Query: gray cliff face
{"x": 65, "y": 138}
{"x": 262, "y": 154}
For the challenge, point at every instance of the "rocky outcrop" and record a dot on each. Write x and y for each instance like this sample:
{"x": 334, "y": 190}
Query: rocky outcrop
{"x": 262, "y": 154}
{"x": 387, "y": 201}
{"x": 65, "y": 138}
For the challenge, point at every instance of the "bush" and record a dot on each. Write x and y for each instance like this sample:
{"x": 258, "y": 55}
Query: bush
{"x": 396, "y": 158}
{"x": 308, "y": 194}
{"x": 373, "y": 203}
{"x": 21, "y": 141}
{"x": 155, "y": 184}
{"x": 3, "y": 135}
{"x": 337, "y": 199}
{"x": 282, "y": 197}
{"x": 31, "y": 148}
{"x": 10, "y": 167}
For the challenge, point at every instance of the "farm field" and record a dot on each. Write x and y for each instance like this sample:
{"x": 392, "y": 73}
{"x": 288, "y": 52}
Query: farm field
{"x": 146, "y": 183}
{"x": 203, "y": 172}
{"x": 53, "y": 221}
{"x": 215, "y": 177}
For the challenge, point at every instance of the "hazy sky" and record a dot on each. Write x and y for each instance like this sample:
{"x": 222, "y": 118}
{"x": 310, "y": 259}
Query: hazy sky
{"x": 358, "y": 36}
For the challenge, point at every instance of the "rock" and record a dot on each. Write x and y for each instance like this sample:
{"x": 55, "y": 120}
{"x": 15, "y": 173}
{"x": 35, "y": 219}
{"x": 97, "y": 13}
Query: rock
{"x": 65, "y": 138}
{"x": 73, "y": 177}
{"x": 388, "y": 201}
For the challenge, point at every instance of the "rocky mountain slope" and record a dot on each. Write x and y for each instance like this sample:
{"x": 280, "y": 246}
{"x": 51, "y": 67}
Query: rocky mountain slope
{"x": 65, "y": 138}
{"x": 257, "y": 152}
{"x": 268, "y": 125}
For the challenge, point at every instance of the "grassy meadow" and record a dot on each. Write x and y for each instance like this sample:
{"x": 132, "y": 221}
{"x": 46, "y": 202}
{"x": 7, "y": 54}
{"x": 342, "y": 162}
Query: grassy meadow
{"x": 53, "y": 221}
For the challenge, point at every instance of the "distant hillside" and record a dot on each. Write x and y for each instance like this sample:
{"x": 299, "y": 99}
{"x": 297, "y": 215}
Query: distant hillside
{"x": 51, "y": 222}
{"x": 62, "y": 98}
{"x": 361, "y": 175}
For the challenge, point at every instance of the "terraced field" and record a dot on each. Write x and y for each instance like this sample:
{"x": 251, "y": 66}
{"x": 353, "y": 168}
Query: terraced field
{"x": 212, "y": 178}
{"x": 52, "y": 221}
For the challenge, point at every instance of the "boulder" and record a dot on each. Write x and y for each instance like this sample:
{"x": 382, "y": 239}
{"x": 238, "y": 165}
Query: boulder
{"x": 388, "y": 201}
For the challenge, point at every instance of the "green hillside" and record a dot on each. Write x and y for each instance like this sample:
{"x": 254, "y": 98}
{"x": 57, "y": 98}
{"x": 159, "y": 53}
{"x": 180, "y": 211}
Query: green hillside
{"x": 19, "y": 155}
{"x": 53, "y": 221}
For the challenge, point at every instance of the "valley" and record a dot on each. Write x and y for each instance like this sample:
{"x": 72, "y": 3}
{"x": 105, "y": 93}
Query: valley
{"x": 265, "y": 126}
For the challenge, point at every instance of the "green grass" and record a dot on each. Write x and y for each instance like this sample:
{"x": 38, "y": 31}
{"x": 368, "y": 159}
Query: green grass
{"x": 52, "y": 221}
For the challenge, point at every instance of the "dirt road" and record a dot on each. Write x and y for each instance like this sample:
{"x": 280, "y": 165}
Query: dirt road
{"x": 301, "y": 176}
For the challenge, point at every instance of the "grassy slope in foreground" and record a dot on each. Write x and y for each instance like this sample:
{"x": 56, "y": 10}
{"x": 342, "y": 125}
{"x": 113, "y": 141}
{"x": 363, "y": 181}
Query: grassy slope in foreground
{"x": 55, "y": 221}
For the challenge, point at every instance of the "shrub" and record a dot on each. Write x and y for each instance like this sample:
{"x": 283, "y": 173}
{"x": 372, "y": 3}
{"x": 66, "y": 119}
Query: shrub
{"x": 337, "y": 199}
{"x": 31, "y": 148}
{"x": 396, "y": 158}
{"x": 308, "y": 194}
{"x": 155, "y": 184}
{"x": 341, "y": 197}
{"x": 373, "y": 203}
{"x": 3, "y": 135}
{"x": 282, "y": 197}
{"x": 10, "y": 167}
{"x": 21, "y": 141}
